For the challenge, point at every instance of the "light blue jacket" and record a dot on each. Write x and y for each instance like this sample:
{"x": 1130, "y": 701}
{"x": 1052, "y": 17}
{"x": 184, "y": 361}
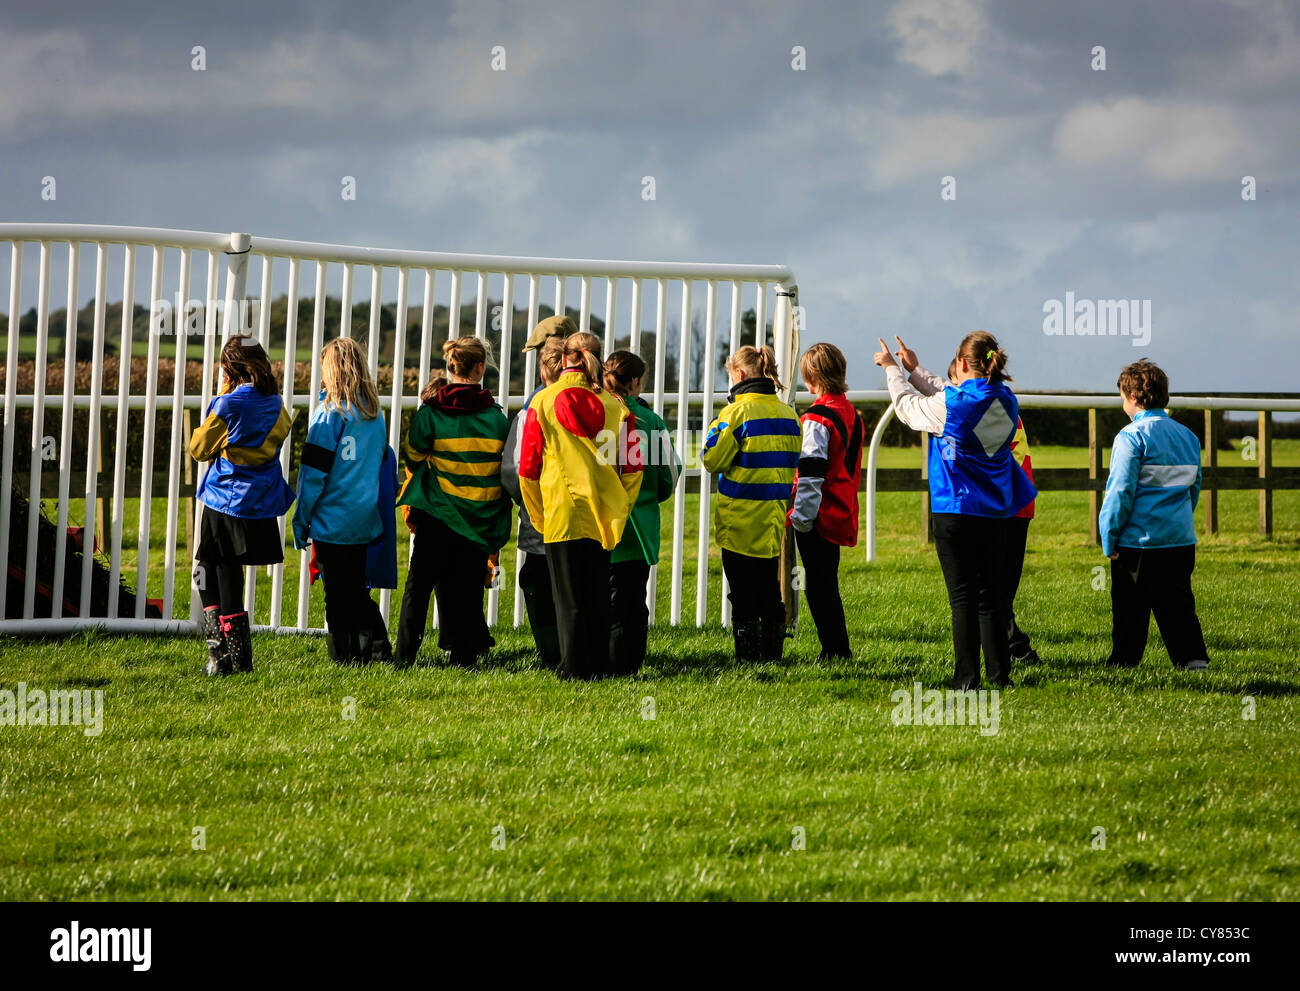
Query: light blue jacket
{"x": 338, "y": 480}
{"x": 1154, "y": 485}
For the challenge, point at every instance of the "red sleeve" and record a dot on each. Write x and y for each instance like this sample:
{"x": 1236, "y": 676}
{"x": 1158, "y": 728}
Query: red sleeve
{"x": 531, "y": 446}
{"x": 633, "y": 455}
{"x": 580, "y": 412}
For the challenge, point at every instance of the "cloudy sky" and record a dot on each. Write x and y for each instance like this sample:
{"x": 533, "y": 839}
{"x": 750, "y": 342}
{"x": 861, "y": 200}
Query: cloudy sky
{"x": 1122, "y": 183}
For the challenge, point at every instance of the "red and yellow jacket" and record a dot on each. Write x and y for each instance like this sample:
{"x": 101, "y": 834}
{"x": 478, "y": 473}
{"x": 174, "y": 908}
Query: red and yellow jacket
{"x": 1020, "y": 451}
{"x": 580, "y": 463}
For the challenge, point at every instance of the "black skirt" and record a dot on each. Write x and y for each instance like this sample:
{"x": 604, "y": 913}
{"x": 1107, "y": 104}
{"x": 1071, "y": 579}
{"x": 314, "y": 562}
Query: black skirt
{"x": 234, "y": 540}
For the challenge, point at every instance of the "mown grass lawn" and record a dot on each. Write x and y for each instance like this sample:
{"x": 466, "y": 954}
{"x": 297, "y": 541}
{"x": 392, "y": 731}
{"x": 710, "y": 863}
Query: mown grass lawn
{"x": 503, "y": 783}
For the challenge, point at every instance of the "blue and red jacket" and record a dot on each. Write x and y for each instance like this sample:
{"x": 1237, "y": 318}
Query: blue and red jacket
{"x": 242, "y": 436}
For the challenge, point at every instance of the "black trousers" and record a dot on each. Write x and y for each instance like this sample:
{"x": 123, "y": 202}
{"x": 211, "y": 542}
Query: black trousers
{"x": 220, "y": 584}
{"x": 535, "y": 584}
{"x": 755, "y": 584}
{"x": 348, "y": 606}
{"x": 445, "y": 564}
{"x": 972, "y": 554}
{"x": 821, "y": 567}
{"x": 580, "y": 587}
{"x": 1017, "y": 537}
{"x": 1158, "y": 580}
{"x": 629, "y": 616}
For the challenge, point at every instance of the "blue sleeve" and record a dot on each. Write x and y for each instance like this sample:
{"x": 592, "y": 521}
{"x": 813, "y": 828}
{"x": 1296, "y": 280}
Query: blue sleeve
{"x": 1121, "y": 491}
{"x": 317, "y": 461}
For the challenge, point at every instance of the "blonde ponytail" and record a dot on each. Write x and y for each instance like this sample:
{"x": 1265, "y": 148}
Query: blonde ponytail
{"x": 756, "y": 363}
{"x": 583, "y": 350}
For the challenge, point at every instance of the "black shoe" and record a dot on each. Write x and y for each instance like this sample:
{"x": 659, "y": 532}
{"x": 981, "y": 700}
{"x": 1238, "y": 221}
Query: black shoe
{"x": 1030, "y": 657}
{"x": 1199, "y": 664}
{"x": 218, "y": 659}
{"x": 239, "y": 642}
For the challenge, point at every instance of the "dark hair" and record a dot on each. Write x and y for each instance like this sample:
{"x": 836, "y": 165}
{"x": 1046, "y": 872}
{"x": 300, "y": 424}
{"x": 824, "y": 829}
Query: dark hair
{"x": 1145, "y": 383}
{"x": 432, "y": 386}
{"x": 982, "y": 353}
{"x": 244, "y": 362}
{"x": 621, "y": 369}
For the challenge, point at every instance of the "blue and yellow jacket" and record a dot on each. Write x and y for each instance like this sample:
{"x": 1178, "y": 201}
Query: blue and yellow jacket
{"x": 339, "y": 478}
{"x": 753, "y": 447}
{"x": 1153, "y": 486}
{"x": 241, "y": 436}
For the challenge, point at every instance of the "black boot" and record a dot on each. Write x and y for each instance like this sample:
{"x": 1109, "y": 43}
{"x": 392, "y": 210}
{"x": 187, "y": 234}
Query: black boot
{"x": 773, "y": 638}
{"x": 748, "y": 641}
{"x": 218, "y": 659}
{"x": 239, "y": 641}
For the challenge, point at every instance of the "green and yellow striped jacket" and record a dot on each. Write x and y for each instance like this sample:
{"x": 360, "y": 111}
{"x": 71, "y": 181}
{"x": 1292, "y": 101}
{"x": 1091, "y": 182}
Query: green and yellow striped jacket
{"x": 452, "y": 455}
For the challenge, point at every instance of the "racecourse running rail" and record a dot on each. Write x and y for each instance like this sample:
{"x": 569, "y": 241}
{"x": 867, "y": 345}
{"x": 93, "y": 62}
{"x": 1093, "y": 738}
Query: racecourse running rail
{"x": 652, "y": 289}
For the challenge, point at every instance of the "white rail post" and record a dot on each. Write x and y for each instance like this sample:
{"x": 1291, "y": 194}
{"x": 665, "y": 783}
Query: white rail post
{"x": 123, "y": 415}
{"x": 530, "y": 372}
{"x": 873, "y": 457}
{"x": 180, "y": 321}
{"x": 706, "y": 417}
{"x": 288, "y": 388}
{"x": 11, "y": 410}
{"x": 688, "y": 456}
{"x": 144, "y": 518}
{"x": 736, "y": 317}
{"x": 661, "y": 359}
{"x": 317, "y": 342}
{"x": 65, "y": 424}
{"x": 88, "y": 533}
{"x": 39, "y": 369}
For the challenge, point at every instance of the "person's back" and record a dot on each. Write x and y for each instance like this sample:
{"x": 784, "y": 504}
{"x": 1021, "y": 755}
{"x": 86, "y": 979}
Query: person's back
{"x": 972, "y": 470}
{"x": 1156, "y": 467}
{"x": 345, "y": 511}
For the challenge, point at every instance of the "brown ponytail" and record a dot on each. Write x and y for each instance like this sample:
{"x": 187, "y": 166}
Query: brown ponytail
{"x": 462, "y": 355}
{"x": 756, "y": 363}
{"x": 583, "y": 351}
{"x": 622, "y": 368}
{"x": 984, "y": 356}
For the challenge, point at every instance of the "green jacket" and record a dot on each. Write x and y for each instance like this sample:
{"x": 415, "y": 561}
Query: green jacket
{"x": 452, "y": 455}
{"x": 641, "y": 538}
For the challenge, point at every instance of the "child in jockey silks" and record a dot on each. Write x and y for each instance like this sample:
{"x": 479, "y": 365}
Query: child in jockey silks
{"x": 825, "y": 511}
{"x": 638, "y": 551}
{"x": 1022, "y": 651}
{"x": 458, "y": 510}
{"x": 975, "y": 487}
{"x": 534, "y": 572}
{"x": 339, "y": 484}
{"x": 1147, "y": 526}
{"x": 753, "y": 448}
{"x": 580, "y": 470}
{"x": 243, "y": 493}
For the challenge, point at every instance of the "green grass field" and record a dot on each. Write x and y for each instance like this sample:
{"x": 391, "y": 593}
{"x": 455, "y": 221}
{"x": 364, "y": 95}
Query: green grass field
{"x": 503, "y": 783}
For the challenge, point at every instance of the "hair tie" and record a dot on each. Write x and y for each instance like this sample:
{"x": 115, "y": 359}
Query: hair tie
{"x": 990, "y": 354}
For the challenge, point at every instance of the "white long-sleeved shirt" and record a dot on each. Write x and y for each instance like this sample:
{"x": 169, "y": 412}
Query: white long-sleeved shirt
{"x": 918, "y": 398}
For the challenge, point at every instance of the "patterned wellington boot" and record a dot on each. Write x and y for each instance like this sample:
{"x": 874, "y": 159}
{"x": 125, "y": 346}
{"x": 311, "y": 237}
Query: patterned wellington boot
{"x": 239, "y": 641}
{"x": 218, "y": 659}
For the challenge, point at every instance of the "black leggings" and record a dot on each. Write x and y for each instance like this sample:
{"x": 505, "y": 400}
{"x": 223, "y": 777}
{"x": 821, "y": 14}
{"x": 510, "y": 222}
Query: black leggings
{"x": 972, "y": 553}
{"x": 580, "y": 586}
{"x": 755, "y": 584}
{"x": 348, "y": 606}
{"x": 444, "y": 563}
{"x": 220, "y": 585}
{"x": 1017, "y": 538}
{"x": 629, "y": 625}
{"x": 821, "y": 566}
{"x": 1157, "y": 580}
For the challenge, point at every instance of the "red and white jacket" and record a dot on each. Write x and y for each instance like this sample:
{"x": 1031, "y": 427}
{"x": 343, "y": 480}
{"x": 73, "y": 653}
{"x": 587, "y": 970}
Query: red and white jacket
{"x": 830, "y": 470}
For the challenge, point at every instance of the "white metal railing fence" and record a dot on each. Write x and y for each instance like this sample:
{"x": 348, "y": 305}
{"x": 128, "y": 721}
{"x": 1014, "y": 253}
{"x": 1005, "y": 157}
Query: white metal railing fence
{"x": 278, "y": 266}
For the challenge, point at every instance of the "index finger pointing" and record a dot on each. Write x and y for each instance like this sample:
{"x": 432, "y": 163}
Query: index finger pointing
{"x": 900, "y": 342}
{"x": 883, "y": 345}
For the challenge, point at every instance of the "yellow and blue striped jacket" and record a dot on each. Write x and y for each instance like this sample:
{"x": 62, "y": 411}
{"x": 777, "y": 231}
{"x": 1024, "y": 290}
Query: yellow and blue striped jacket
{"x": 753, "y": 448}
